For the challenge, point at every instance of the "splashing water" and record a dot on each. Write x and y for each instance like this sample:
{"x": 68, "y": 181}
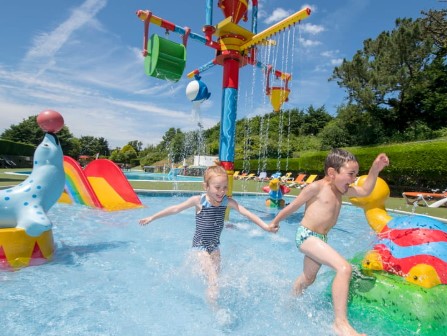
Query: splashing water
{"x": 109, "y": 276}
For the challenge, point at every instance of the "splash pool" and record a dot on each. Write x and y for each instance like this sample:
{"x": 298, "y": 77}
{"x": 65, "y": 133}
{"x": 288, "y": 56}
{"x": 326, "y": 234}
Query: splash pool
{"x": 159, "y": 177}
{"x": 109, "y": 276}
{"x": 142, "y": 176}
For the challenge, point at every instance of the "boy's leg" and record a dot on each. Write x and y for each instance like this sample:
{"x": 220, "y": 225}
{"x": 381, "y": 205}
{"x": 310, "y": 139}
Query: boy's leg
{"x": 321, "y": 252}
{"x": 305, "y": 279}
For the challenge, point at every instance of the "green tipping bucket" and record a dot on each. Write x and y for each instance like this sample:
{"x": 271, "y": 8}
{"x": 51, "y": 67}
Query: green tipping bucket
{"x": 165, "y": 59}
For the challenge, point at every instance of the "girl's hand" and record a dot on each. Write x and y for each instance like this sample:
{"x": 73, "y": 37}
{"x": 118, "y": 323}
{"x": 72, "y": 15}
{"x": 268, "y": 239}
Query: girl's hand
{"x": 273, "y": 227}
{"x": 145, "y": 221}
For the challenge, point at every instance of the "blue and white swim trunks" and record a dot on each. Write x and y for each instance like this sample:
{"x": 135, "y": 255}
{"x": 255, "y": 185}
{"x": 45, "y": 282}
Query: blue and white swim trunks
{"x": 302, "y": 233}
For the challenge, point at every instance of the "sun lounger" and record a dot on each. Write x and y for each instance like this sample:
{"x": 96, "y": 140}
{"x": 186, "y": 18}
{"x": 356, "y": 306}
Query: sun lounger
{"x": 437, "y": 204}
{"x": 297, "y": 182}
{"x": 239, "y": 176}
{"x": 308, "y": 181}
{"x": 431, "y": 200}
{"x": 261, "y": 177}
{"x": 236, "y": 175}
{"x": 247, "y": 177}
{"x": 287, "y": 177}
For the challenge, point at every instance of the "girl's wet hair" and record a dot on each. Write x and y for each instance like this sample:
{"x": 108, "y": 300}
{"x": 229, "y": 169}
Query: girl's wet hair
{"x": 337, "y": 158}
{"x": 213, "y": 171}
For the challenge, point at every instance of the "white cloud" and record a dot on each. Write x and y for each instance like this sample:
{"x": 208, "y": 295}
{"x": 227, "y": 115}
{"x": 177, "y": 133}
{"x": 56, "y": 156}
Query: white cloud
{"x": 277, "y": 15}
{"x": 311, "y": 28}
{"x": 308, "y": 43}
{"x": 336, "y": 61}
{"x": 330, "y": 53}
{"x": 46, "y": 45}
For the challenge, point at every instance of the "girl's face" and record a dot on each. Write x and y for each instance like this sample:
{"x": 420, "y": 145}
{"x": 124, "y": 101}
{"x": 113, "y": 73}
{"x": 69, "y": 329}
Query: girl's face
{"x": 347, "y": 176}
{"x": 216, "y": 188}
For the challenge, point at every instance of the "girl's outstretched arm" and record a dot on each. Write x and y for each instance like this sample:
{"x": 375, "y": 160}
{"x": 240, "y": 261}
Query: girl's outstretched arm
{"x": 173, "y": 209}
{"x": 251, "y": 216}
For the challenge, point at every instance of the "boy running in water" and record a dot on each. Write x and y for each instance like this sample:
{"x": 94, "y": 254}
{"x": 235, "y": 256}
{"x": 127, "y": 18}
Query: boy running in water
{"x": 323, "y": 200}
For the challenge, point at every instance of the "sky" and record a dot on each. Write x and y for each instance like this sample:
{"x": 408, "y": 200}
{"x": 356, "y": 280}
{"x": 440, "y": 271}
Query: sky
{"x": 83, "y": 59}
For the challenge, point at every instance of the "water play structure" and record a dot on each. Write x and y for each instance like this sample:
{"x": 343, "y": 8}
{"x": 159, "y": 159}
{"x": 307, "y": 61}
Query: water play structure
{"x": 101, "y": 184}
{"x": 235, "y": 47}
{"x": 26, "y": 236}
{"x": 405, "y": 273}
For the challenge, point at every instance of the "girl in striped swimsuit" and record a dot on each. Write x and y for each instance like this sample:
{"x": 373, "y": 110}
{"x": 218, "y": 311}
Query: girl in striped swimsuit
{"x": 210, "y": 215}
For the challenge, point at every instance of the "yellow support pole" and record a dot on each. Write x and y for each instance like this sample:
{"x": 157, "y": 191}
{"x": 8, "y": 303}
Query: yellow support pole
{"x": 229, "y": 191}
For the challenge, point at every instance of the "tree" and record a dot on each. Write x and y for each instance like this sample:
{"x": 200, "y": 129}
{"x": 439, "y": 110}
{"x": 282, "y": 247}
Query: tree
{"x": 297, "y": 120}
{"x": 360, "y": 126}
{"x": 172, "y": 143}
{"x": 128, "y": 153}
{"x": 334, "y": 135}
{"x": 428, "y": 95}
{"x": 384, "y": 77}
{"x": 91, "y": 146}
{"x": 315, "y": 120}
{"x": 211, "y": 137}
{"x": 150, "y": 155}
{"x": 137, "y": 145}
{"x": 172, "y": 147}
{"x": 28, "y": 131}
{"x": 435, "y": 24}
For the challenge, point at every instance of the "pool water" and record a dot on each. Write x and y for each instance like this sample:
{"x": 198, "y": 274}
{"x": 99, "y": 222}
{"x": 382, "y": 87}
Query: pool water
{"x": 110, "y": 276}
{"x": 142, "y": 176}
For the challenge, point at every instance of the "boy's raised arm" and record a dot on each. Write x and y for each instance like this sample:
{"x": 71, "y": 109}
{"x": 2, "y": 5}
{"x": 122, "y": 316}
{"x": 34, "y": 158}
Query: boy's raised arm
{"x": 377, "y": 166}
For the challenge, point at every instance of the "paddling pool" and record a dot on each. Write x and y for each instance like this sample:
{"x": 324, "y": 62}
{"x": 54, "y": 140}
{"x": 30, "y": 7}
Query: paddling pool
{"x": 143, "y": 176}
{"x": 110, "y": 276}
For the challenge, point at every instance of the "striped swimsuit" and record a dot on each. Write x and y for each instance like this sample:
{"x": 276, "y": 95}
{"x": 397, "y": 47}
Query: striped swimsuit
{"x": 209, "y": 225}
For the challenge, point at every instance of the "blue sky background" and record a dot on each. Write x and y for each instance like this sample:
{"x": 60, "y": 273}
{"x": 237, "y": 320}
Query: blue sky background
{"x": 83, "y": 59}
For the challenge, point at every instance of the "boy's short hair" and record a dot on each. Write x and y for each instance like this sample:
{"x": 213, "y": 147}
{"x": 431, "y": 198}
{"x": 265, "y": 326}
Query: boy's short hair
{"x": 337, "y": 158}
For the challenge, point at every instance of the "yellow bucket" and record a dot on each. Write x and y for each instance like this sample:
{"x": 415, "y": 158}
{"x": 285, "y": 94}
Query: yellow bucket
{"x": 278, "y": 95}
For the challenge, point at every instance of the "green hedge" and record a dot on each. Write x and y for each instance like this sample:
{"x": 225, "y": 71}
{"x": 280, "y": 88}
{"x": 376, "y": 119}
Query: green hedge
{"x": 8, "y": 147}
{"x": 413, "y": 166}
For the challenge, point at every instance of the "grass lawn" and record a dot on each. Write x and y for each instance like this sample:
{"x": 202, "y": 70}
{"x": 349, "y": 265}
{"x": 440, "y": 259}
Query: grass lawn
{"x": 394, "y": 203}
